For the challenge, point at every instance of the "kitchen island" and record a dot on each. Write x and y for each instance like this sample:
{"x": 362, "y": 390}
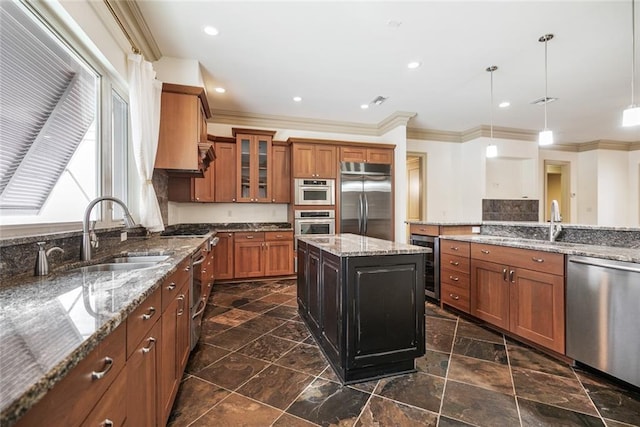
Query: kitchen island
{"x": 363, "y": 301}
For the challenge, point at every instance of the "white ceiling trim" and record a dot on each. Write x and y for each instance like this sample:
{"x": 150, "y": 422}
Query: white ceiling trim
{"x": 129, "y": 15}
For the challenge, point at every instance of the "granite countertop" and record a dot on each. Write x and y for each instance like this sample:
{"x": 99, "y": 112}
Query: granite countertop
{"x": 352, "y": 245}
{"x": 563, "y": 224}
{"x": 445, "y": 223}
{"x": 605, "y": 252}
{"x": 49, "y": 324}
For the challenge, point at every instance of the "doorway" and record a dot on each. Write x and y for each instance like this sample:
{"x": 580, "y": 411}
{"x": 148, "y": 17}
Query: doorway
{"x": 416, "y": 186}
{"x": 556, "y": 187}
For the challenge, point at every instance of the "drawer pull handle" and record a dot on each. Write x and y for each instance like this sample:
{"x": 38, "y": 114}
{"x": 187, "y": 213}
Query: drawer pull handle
{"x": 537, "y": 259}
{"x": 511, "y": 274}
{"x": 455, "y": 297}
{"x": 148, "y": 315}
{"x": 107, "y": 423}
{"x": 456, "y": 263}
{"x": 108, "y": 364}
{"x": 484, "y": 251}
{"x": 250, "y": 237}
{"x": 181, "y": 299}
{"x": 279, "y": 236}
{"x": 152, "y": 342}
{"x": 455, "y": 248}
{"x": 171, "y": 286}
{"x": 455, "y": 279}
{"x": 504, "y": 274}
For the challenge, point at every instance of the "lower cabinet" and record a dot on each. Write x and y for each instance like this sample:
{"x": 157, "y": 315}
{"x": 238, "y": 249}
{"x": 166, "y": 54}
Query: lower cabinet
{"x": 302, "y": 282}
{"x": 224, "y": 256}
{"x": 142, "y": 376}
{"x": 454, "y": 274}
{"x": 111, "y": 409}
{"x": 263, "y": 254}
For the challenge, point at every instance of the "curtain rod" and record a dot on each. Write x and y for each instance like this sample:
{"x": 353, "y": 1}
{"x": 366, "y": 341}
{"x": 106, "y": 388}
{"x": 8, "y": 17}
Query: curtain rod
{"x": 134, "y": 48}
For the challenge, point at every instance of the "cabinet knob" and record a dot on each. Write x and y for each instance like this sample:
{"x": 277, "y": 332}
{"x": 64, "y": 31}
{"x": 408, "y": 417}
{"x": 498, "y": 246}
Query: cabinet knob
{"x": 273, "y": 200}
{"x": 197, "y": 198}
{"x": 233, "y": 200}
{"x": 455, "y": 297}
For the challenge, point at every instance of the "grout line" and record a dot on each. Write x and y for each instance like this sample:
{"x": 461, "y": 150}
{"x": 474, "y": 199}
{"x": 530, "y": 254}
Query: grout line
{"x": 513, "y": 383}
{"x": 446, "y": 374}
{"x": 588, "y": 395}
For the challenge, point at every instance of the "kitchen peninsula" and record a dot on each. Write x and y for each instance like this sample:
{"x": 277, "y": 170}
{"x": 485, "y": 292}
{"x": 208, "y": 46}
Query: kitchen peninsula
{"x": 363, "y": 300}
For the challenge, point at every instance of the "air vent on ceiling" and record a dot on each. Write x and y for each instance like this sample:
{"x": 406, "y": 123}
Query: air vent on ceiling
{"x": 543, "y": 100}
{"x": 379, "y": 100}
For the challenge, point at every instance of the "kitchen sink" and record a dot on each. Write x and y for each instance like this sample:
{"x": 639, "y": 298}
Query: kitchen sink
{"x": 126, "y": 263}
{"x": 140, "y": 259}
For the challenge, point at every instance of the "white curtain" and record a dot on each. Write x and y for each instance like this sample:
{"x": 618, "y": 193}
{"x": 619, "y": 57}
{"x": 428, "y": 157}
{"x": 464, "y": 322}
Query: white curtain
{"x": 144, "y": 102}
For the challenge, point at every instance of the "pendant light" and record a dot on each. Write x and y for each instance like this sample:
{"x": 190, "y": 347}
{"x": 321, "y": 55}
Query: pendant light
{"x": 492, "y": 148}
{"x": 631, "y": 116}
{"x": 546, "y": 136}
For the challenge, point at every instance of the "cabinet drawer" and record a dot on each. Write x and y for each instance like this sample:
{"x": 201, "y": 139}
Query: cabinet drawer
{"x": 454, "y": 248}
{"x": 455, "y": 297}
{"x": 546, "y": 262}
{"x": 455, "y": 263}
{"x": 455, "y": 278}
{"x": 112, "y": 406}
{"x": 174, "y": 282}
{"x": 272, "y": 236}
{"x": 142, "y": 319}
{"x": 424, "y": 230}
{"x": 249, "y": 236}
{"x": 71, "y": 400}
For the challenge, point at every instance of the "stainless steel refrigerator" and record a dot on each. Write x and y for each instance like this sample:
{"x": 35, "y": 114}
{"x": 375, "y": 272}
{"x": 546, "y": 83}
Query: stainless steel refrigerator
{"x": 365, "y": 199}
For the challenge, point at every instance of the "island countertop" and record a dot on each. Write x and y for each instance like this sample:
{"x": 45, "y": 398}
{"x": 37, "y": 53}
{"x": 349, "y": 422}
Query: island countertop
{"x": 352, "y": 245}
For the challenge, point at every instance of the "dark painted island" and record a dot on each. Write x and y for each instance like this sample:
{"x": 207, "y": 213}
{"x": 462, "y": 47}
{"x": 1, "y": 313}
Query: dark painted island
{"x": 363, "y": 301}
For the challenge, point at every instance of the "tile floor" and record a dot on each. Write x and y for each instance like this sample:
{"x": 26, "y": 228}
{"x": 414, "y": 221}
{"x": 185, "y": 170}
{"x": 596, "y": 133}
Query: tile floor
{"x": 256, "y": 365}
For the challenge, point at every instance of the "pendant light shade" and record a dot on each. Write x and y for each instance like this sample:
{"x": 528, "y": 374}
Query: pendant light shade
{"x": 546, "y": 136}
{"x": 631, "y": 116}
{"x": 492, "y": 148}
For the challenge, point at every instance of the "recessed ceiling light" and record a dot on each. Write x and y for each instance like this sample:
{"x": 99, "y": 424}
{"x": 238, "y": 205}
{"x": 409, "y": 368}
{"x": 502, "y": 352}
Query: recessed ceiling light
{"x": 393, "y": 23}
{"x": 504, "y": 104}
{"x": 220, "y": 90}
{"x": 414, "y": 64}
{"x": 364, "y": 106}
{"x": 212, "y": 31}
{"x": 297, "y": 98}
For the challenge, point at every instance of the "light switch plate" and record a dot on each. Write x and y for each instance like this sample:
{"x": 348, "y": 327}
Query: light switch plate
{"x": 123, "y": 236}
{"x": 475, "y": 229}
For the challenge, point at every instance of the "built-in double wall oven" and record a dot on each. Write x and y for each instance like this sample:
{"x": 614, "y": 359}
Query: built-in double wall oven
{"x": 321, "y": 221}
{"x": 314, "y": 191}
{"x": 432, "y": 264}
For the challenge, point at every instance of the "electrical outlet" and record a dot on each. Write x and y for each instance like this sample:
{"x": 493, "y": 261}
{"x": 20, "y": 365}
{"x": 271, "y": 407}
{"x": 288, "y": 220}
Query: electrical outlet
{"x": 123, "y": 235}
{"x": 475, "y": 230}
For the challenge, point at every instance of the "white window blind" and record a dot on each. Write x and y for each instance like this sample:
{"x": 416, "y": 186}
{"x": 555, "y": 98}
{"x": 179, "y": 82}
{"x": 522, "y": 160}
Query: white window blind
{"x": 48, "y": 103}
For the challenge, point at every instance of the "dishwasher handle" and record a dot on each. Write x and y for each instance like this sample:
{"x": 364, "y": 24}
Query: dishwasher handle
{"x": 606, "y": 265}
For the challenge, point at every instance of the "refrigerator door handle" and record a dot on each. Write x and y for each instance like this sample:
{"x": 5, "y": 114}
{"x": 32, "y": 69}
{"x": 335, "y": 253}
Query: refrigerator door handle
{"x": 360, "y": 212}
{"x": 365, "y": 214}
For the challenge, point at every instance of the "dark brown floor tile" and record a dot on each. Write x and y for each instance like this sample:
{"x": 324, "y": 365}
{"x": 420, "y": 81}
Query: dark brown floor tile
{"x": 310, "y": 341}
{"x": 290, "y": 290}
{"x": 194, "y": 398}
{"x": 614, "y": 402}
{"x": 277, "y": 298}
{"x": 450, "y": 422}
{"x": 294, "y": 331}
{"x": 233, "y": 339}
{"x": 288, "y": 420}
{"x": 538, "y": 414}
{"x": 263, "y": 324}
{"x": 478, "y": 406}
{"x": 434, "y": 363}
{"x": 276, "y": 386}
{"x": 327, "y": 403}
{"x": 210, "y": 329}
{"x": 267, "y": 347}
{"x": 228, "y": 300}
{"x": 291, "y": 303}
{"x": 256, "y": 293}
{"x": 480, "y": 350}
{"x": 417, "y": 389}
{"x": 329, "y": 374}
{"x": 212, "y": 310}
{"x": 239, "y": 411}
{"x": 232, "y": 370}
{"x": 439, "y": 342}
{"x": 366, "y": 386}
{"x": 384, "y": 412}
{"x": 613, "y": 423}
{"x": 259, "y": 306}
{"x": 305, "y": 358}
{"x": 521, "y": 356}
{"x": 475, "y": 331}
{"x": 232, "y": 288}
{"x": 283, "y": 312}
{"x": 204, "y": 355}
{"x": 235, "y": 317}
{"x": 435, "y": 311}
{"x": 489, "y": 375}
{"x": 440, "y": 325}
{"x": 553, "y": 390}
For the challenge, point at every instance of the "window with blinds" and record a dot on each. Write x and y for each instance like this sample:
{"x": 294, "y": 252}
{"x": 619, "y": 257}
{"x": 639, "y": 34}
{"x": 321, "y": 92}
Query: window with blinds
{"x": 48, "y": 121}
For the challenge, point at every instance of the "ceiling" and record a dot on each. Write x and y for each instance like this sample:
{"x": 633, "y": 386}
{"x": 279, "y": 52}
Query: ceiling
{"x": 338, "y": 55}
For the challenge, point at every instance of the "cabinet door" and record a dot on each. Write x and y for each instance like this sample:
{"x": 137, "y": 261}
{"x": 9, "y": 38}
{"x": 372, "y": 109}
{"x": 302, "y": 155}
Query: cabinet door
{"x": 224, "y": 179}
{"x": 380, "y": 155}
{"x": 224, "y": 256}
{"x": 281, "y": 174}
{"x": 142, "y": 373}
{"x": 490, "y": 292}
{"x": 278, "y": 261}
{"x": 326, "y": 164}
{"x": 261, "y": 182}
{"x": 537, "y": 308}
{"x": 179, "y": 132}
{"x": 315, "y": 290}
{"x": 303, "y": 163}
{"x": 302, "y": 282}
{"x": 111, "y": 409}
{"x": 353, "y": 154}
{"x": 249, "y": 259}
{"x": 202, "y": 189}
{"x": 332, "y": 305}
{"x": 244, "y": 155}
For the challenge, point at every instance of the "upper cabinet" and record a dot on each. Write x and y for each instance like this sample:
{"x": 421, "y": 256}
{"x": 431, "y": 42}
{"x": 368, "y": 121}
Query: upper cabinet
{"x": 224, "y": 178}
{"x": 314, "y": 160}
{"x": 281, "y": 172}
{"x": 366, "y": 155}
{"x": 182, "y": 142}
{"x": 253, "y": 162}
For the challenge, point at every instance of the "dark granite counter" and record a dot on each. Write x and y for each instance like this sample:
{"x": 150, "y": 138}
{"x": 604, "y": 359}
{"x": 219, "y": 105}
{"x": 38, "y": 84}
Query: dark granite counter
{"x": 445, "y": 223}
{"x": 605, "y": 252}
{"x": 351, "y": 245}
{"x": 49, "y": 324}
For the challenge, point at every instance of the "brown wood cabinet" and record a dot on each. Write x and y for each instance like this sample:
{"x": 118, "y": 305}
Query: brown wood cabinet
{"x": 366, "y": 155}
{"x": 521, "y": 291}
{"x": 314, "y": 160}
{"x": 142, "y": 375}
{"x": 224, "y": 180}
{"x": 454, "y": 274}
{"x": 279, "y": 253}
{"x": 183, "y": 114}
{"x": 281, "y": 172}
{"x": 253, "y": 166}
{"x": 111, "y": 409}
{"x": 223, "y": 256}
{"x": 263, "y": 254}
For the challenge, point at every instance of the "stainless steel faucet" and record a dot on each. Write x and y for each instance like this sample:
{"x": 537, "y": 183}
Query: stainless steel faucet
{"x": 554, "y": 227}
{"x": 85, "y": 248}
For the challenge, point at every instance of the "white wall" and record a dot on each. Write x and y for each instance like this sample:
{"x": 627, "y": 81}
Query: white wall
{"x": 180, "y": 71}
{"x": 186, "y": 213}
{"x": 587, "y": 188}
{"x": 634, "y": 189}
{"x": 613, "y": 188}
{"x": 398, "y": 136}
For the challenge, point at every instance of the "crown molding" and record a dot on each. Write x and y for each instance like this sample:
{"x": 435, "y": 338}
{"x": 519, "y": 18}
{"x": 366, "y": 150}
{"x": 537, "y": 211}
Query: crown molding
{"x": 133, "y": 23}
{"x": 399, "y": 118}
{"x": 434, "y": 135}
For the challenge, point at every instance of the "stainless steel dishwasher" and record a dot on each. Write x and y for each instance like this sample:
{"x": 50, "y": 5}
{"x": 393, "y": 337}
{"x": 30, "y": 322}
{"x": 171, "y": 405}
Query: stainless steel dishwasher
{"x": 603, "y": 316}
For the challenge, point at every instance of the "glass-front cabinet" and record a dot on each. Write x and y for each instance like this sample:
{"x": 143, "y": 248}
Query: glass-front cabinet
{"x": 254, "y": 164}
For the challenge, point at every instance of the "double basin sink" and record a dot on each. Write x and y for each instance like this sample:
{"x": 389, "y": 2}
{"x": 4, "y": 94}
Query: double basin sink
{"x": 125, "y": 263}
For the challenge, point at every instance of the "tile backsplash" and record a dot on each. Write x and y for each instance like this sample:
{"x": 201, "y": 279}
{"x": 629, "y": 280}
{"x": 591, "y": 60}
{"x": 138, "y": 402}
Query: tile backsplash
{"x": 510, "y": 209}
